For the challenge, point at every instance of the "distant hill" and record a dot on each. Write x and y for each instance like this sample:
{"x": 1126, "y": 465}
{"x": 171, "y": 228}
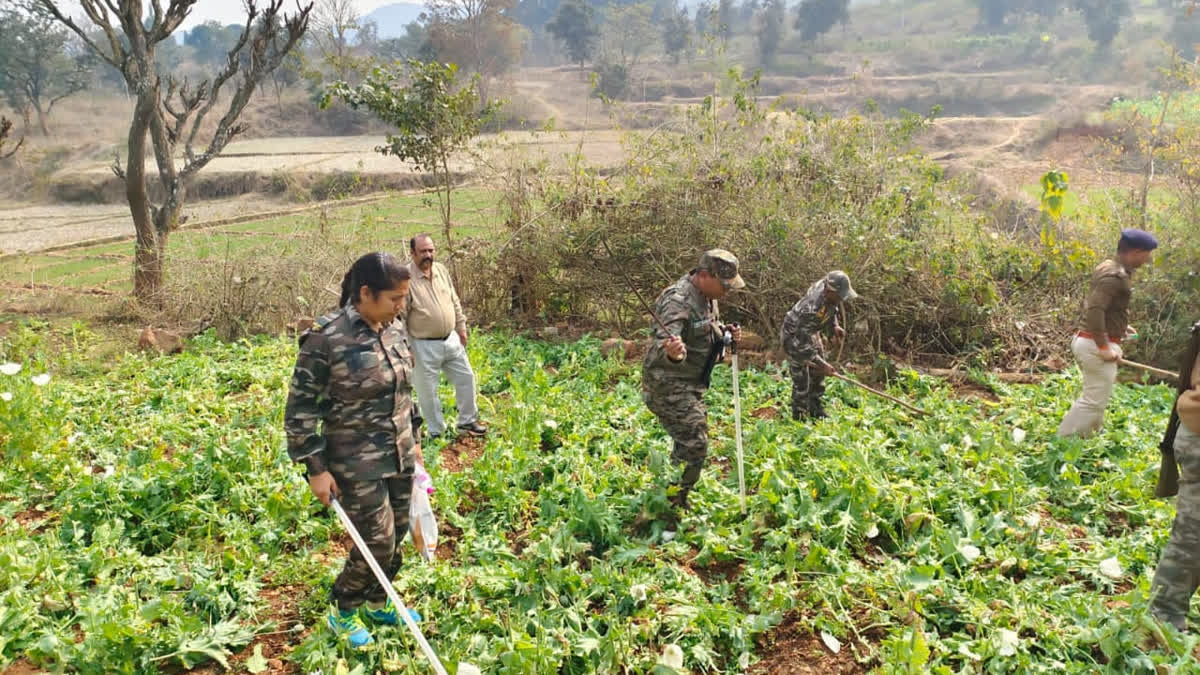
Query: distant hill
{"x": 392, "y": 18}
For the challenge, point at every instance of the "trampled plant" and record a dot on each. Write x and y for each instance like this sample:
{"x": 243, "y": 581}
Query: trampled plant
{"x": 161, "y": 513}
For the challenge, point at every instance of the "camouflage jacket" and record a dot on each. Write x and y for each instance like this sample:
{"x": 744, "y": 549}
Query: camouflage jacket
{"x": 804, "y": 323}
{"x": 350, "y": 407}
{"x": 686, "y": 313}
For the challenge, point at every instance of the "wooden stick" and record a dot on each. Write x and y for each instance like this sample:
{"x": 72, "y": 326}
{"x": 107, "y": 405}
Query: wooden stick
{"x": 889, "y": 397}
{"x": 1152, "y": 369}
{"x": 633, "y": 288}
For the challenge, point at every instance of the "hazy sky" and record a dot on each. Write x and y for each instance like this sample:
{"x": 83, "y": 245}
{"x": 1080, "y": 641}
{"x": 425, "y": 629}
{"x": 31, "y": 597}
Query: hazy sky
{"x": 231, "y": 11}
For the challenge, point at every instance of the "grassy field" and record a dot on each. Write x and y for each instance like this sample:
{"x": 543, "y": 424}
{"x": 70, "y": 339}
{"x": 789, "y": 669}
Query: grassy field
{"x": 151, "y": 521}
{"x": 386, "y": 224}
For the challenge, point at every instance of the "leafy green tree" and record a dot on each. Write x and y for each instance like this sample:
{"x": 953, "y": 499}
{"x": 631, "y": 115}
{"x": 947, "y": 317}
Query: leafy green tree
{"x": 37, "y": 65}
{"x": 628, "y": 34}
{"x": 210, "y": 41}
{"x": 814, "y": 18}
{"x": 414, "y": 44}
{"x": 677, "y": 33}
{"x": 706, "y": 16}
{"x": 725, "y": 19}
{"x": 434, "y": 117}
{"x": 1103, "y": 19}
{"x": 1185, "y": 33}
{"x": 770, "y": 31}
{"x": 574, "y": 25}
{"x": 992, "y": 13}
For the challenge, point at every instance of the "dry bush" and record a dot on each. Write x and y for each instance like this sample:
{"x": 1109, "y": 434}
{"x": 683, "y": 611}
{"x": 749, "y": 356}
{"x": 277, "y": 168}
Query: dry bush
{"x": 793, "y": 197}
{"x": 254, "y": 290}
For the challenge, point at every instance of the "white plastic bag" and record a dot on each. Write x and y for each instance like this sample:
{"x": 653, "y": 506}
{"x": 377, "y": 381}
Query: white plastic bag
{"x": 420, "y": 513}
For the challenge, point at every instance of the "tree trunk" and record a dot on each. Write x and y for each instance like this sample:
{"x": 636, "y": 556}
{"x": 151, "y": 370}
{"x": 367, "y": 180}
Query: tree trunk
{"x": 149, "y": 246}
{"x": 446, "y": 227}
{"x": 41, "y": 115}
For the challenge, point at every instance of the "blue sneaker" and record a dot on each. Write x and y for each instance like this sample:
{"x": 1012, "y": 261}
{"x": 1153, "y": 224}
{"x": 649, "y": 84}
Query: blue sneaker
{"x": 348, "y": 625}
{"x": 387, "y": 615}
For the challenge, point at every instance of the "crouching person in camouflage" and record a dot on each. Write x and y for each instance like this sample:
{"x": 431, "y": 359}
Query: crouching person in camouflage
{"x": 813, "y": 315}
{"x": 350, "y": 422}
{"x": 1178, "y": 573}
{"x": 680, "y": 359}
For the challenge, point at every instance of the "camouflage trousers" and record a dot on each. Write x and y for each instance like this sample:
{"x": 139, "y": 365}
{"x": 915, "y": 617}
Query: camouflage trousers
{"x": 679, "y": 407}
{"x": 1178, "y": 573}
{"x": 808, "y": 387}
{"x": 379, "y": 510}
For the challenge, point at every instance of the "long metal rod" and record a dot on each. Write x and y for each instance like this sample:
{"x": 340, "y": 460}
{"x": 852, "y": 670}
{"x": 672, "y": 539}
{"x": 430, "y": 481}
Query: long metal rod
{"x": 737, "y": 429}
{"x": 387, "y": 587}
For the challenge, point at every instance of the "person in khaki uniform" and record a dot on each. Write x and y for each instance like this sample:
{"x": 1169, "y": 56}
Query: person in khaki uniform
{"x": 438, "y": 326}
{"x": 1097, "y": 346}
{"x": 1178, "y": 573}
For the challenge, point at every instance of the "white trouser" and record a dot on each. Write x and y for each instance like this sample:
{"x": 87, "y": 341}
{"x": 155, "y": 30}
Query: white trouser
{"x": 431, "y": 358}
{"x": 1086, "y": 415}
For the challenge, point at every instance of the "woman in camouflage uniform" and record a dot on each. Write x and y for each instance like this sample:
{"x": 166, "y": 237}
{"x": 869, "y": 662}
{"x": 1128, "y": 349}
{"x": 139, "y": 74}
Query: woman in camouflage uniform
{"x": 350, "y": 421}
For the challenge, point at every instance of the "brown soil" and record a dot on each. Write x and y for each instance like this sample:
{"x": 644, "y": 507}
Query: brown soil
{"x": 768, "y": 412}
{"x": 448, "y": 536}
{"x": 460, "y": 454}
{"x": 22, "y": 667}
{"x": 790, "y": 649}
{"x": 283, "y": 611}
{"x": 31, "y": 519}
{"x": 717, "y": 571}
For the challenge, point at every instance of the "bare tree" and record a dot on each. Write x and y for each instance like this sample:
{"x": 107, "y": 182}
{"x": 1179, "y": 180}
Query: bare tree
{"x": 171, "y": 113}
{"x": 334, "y": 21}
{"x": 478, "y": 35}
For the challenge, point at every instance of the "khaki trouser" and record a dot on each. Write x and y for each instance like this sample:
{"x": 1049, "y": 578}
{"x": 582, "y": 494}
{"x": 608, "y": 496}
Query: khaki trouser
{"x": 1086, "y": 415}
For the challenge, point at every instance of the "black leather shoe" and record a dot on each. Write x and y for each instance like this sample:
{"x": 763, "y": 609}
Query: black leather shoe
{"x": 473, "y": 429}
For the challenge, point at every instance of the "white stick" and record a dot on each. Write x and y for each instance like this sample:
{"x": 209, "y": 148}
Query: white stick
{"x": 737, "y": 427}
{"x": 387, "y": 587}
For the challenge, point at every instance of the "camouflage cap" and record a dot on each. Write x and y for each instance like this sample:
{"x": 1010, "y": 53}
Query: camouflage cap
{"x": 838, "y": 281}
{"x": 723, "y": 265}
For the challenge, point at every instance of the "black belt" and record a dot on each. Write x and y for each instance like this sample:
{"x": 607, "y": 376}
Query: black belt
{"x": 441, "y": 339}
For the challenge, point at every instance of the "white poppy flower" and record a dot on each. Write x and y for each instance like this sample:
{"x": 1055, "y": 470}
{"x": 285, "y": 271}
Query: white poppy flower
{"x": 41, "y": 380}
{"x": 1008, "y": 640}
{"x": 672, "y": 656}
{"x": 1018, "y": 435}
{"x": 551, "y": 424}
{"x": 638, "y": 592}
{"x": 5, "y": 396}
{"x": 831, "y": 642}
{"x": 1111, "y": 568}
{"x": 969, "y": 552}
{"x": 10, "y": 368}
{"x": 873, "y": 532}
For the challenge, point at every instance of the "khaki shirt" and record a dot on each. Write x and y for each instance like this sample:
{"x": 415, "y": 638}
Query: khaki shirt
{"x": 1106, "y": 309}
{"x": 433, "y": 306}
{"x": 1188, "y": 405}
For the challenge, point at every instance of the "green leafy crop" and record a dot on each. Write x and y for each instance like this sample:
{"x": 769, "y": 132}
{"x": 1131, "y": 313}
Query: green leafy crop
{"x": 150, "y": 513}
